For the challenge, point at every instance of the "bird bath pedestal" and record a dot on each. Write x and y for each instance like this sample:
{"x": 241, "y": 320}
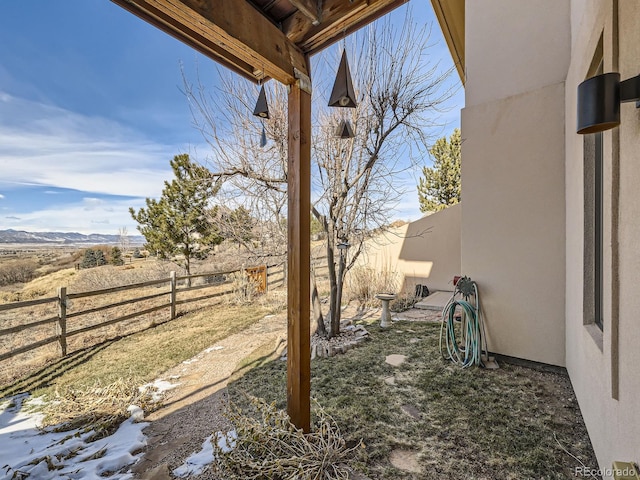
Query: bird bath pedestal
{"x": 385, "y": 298}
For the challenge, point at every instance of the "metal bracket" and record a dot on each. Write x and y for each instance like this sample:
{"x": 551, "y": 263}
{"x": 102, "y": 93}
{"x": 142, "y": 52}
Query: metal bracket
{"x": 303, "y": 80}
{"x": 630, "y": 90}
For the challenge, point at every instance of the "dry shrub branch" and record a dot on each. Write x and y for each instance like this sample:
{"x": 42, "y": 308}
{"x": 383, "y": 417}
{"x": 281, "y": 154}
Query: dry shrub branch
{"x": 364, "y": 283}
{"x": 101, "y": 408}
{"x": 266, "y": 445}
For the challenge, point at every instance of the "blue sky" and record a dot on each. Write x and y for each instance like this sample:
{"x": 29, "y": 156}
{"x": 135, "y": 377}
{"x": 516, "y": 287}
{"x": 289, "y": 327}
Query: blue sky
{"x": 91, "y": 113}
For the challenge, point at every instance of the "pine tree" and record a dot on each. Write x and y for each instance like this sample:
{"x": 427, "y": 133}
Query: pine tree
{"x": 116, "y": 256}
{"x": 99, "y": 258}
{"x": 89, "y": 259}
{"x": 93, "y": 258}
{"x": 440, "y": 185}
{"x": 177, "y": 225}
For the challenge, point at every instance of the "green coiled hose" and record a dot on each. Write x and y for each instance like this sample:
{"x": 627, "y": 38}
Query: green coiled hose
{"x": 465, "y": 349}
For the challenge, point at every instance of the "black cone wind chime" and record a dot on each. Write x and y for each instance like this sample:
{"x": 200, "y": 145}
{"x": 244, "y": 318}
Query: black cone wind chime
{"x": 343, "y": 96}
{"x": 262, "y": 111}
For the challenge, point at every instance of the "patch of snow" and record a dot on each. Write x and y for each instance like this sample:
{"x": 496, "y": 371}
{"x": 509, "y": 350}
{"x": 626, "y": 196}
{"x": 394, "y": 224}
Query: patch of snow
{"x": 198, "y": 461}
{"x": 158, "y": 387}
{"x": 47, "y": 455}
{"x": 227, "y": 442}
{"x": 214, "y": 348}
{"x": 136, "y": 413}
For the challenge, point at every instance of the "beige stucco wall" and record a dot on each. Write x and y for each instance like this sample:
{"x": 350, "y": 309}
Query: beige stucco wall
{"x": 426, "y": 251}
{"x": 514, "y": 47}
{"x": 513, "y": 217}
{"x": 594, "y": 357}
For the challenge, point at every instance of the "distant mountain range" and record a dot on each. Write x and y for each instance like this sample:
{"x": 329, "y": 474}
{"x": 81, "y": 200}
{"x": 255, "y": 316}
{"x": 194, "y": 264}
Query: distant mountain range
{"x": 64, "y": 238}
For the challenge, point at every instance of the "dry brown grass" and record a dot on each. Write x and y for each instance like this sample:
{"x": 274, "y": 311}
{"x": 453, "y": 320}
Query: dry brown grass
{"x": 364, "y": 283}
{"x": 98, "y": 279}
{"x": 267, "y": 445}
{"x": 142, "y": 356}
{"x": 99, "y": 408}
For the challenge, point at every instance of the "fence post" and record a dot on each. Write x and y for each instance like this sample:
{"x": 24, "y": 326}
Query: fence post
{"x": 62, "y": 319}
{"x": 284, "y": 273}
{"x": 172, "y": 281}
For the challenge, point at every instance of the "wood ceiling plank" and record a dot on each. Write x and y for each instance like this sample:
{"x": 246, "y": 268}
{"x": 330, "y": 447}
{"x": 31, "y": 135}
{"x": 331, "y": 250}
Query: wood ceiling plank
{"x": 339, "y": 18}
{"x": 243, "y": 38}
{"x": 309, "y": 8}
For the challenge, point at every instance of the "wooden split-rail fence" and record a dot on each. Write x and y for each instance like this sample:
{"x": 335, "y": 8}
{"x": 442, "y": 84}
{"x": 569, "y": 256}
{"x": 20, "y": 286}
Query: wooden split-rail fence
{"x": 262, "y": 277}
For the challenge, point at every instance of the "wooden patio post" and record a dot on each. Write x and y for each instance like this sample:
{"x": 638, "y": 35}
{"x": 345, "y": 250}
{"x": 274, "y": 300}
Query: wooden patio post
{"x": 298, "y": 281}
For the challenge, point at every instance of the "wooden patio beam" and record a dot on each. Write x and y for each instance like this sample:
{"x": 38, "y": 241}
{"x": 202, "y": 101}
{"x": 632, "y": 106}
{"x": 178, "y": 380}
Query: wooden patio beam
{"x": 339, "y": 18}
{"x": 229, "y": 31}
{"x": 298, "y": 257}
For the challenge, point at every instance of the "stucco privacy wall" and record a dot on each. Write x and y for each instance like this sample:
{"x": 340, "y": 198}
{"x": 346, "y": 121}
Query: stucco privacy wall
{"x": 426, "y": 251}
{"x": 592, "y": 357}
{"x": 513, "y": 216}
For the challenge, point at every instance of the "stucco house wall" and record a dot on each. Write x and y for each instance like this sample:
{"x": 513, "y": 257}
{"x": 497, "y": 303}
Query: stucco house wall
{"x": 603, "y": 364}
{"x": 513, "y": 149}
{"x": 426, "y": 251}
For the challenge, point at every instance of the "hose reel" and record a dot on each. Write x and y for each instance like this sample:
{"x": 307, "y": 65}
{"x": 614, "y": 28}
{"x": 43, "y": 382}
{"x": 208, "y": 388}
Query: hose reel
{"x": 465, "y": 343}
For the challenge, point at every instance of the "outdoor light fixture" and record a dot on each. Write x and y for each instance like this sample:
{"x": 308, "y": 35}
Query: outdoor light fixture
{"x": 345, "y": 130}
{"x": 599, "y": 101}
{"x": 343, "y": 245}
{"x": 262, "y": 109}
{"x": 343, "y": 94}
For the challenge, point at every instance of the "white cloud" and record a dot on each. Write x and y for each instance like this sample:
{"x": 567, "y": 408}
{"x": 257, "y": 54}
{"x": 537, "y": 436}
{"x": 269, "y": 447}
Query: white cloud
{"x": 47, "y": 145}
{"x": 105, "y": 216}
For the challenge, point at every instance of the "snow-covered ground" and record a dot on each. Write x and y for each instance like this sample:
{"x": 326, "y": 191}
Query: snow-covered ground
{"x": 29, "y": 452}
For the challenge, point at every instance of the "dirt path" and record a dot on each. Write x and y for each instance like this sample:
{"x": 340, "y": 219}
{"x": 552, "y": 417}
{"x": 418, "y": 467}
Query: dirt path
{"x": 192, "y": 410}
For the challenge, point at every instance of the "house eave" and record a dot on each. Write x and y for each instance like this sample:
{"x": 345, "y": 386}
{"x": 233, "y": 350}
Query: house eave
{"x": 450, "y": 15}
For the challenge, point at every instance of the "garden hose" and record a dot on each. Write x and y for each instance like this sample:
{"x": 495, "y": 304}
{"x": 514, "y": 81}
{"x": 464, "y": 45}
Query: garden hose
{"x": 467, "y": 348}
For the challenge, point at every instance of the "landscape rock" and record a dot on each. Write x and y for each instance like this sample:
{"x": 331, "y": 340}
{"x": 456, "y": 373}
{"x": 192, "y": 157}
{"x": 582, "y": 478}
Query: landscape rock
{"x": 395, "y": 360}
{"x": 411, "y": 411}
{"x": 406, "y": 460}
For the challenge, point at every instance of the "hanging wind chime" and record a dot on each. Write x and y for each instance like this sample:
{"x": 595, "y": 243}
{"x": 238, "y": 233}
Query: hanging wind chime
{"x": 343, "y": 96}
{"x": 262, "y": 111}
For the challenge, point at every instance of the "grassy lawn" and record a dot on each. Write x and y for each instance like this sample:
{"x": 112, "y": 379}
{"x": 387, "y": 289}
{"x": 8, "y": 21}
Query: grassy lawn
{"x": 474, "y": 423}
{"x": 140, "y": 357}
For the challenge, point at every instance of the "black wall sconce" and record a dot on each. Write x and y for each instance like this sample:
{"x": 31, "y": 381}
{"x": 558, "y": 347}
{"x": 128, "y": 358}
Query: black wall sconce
{"x": 599, "y": 101}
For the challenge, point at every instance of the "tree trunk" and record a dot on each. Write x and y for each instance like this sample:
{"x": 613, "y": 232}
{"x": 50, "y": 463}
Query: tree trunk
{"x": 318, "y": 319}
{"x": 334, "y": 306}
{"x": 340, "y": 284}
{"x": 187, "y": 264}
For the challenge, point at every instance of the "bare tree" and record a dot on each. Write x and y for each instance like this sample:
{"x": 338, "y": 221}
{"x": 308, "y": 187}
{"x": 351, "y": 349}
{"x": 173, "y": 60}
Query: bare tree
{"x": 399, "y": 97}
{"x": 123, "y": 240}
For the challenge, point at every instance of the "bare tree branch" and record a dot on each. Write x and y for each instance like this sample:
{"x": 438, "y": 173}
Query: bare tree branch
{"x": 400, "y": 95}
